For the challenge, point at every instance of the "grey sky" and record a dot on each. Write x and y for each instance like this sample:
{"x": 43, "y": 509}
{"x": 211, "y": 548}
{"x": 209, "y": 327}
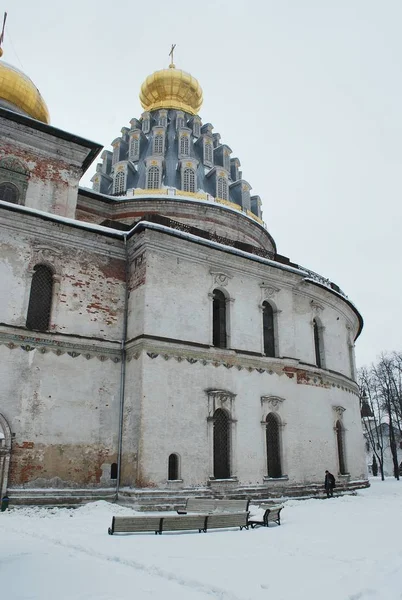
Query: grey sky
{"x": 307, "y": 93}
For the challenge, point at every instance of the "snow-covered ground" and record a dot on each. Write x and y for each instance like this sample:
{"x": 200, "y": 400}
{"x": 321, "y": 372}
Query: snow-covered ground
{"x": 347, "y": 548}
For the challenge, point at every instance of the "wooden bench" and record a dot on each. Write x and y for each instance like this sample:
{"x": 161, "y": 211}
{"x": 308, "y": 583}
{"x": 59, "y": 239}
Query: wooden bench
{"x": 211, "y": 505}
{"x": 221, "y": 520}
{"x": 272, "y": 514}
{"x": 140, "y": 524}
{"x": 135, "y": 524}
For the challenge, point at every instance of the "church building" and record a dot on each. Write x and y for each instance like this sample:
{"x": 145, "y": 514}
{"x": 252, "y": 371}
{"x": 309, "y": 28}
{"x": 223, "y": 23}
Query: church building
{"x": 153, "y": 342}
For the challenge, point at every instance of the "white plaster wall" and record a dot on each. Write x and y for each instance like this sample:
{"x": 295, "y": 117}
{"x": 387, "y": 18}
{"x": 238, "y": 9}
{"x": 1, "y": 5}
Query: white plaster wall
{"x": 58, "y": 399}
{"x": 178, "y": 303}
{"x": 174, "y": 419}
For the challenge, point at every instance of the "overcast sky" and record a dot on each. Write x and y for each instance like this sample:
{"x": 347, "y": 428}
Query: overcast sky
{"x": 307, "y": 93}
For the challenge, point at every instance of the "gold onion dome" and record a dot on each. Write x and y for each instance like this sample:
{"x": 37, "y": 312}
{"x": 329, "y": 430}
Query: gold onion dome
{"x": 19, "y": 93}
{"x": 171, "y": 88}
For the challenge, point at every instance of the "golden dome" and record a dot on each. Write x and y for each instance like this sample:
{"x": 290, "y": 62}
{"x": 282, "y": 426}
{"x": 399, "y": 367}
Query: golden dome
{"x": 171, "y": 88}
{"x": 19, "y": 93}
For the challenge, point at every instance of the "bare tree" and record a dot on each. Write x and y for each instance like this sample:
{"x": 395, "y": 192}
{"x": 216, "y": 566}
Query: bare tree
{"x": 385, "y": 375}
{"x": 372, "y": 415}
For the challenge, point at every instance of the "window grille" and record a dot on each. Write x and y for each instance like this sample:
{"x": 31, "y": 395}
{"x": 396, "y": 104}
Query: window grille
{"x": 116, "y": 154}
{"x": 119, "y": 183}
{"x": 268, "y": 329}
{"x": 113, "y": 471}
{"x": 208, "y": 153}
{"x": 189, "y": 180}
{"x": 317, "y": 344}
{"x": 184, "y": 145}
{"x": 219, "y": 334}
{"x": 173, "y": 467}
{"x": 222, "y": 188}
{"x": 134, "y": 148}
{"x": 158, "y": 144}
{"x": 146, "y": 125}
{"x": 341, "y": 447}
{"x": 179, "y": 122}
{"x": 9, "y": 192}
{"x": 221, "y": 445}
{"x": 40, "y": 299}
{"x": 153, "y": 178}
{"x": 273, "y": 446}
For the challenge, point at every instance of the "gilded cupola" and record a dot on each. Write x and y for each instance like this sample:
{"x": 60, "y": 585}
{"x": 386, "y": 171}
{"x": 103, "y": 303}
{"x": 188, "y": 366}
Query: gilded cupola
{"x": 19, "y": 93}
{"x": 171, "y": 88}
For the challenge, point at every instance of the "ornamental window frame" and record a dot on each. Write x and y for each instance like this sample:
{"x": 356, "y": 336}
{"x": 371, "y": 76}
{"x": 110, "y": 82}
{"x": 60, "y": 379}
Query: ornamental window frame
{"x": 196, "y": 127}
{"x": 14, "y": 176}
{"x": 146, "y": 123}
{"x": 222, "y": 186}
{"x": 158, "y": 143}
{"x": 208, "y": 152}
{"x": 153, "y": 177}
{"x": 189, "y": 179}
{"x": 40, "y": 298}
{"x": 119, "y": 183}
{"x": 184, "y": 145}
{"x": 134, "y": 147}
{"x": 116, "y": 153}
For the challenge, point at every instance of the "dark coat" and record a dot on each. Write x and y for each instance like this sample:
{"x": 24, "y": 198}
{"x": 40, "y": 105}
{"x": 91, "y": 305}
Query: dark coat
{"x": 329, "y": 481}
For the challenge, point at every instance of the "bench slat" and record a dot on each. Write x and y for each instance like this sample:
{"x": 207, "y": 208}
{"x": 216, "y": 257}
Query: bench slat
{"x": 184, "y": 523}
{"x": 133, "y": 524}
{"x": 220, "y": 520}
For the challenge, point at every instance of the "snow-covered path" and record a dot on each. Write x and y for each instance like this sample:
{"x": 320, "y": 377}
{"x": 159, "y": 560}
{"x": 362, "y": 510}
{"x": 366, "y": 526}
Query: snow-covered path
{"x": 339, "y": 549}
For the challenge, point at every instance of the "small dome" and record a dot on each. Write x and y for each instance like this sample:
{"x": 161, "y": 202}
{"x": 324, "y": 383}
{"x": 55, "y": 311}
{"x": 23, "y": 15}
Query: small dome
{"x": 19, "y": 93}
{"x": 171, "y": 88}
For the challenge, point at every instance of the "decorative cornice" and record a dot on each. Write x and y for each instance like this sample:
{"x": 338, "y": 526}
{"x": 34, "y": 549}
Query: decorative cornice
{"x": 339, "y": 410}
{"x": 273, "y": 401}
{"x": 87, "y": 350}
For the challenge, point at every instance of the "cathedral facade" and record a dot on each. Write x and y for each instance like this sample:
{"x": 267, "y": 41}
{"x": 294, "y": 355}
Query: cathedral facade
{"x": 152, "y": 338}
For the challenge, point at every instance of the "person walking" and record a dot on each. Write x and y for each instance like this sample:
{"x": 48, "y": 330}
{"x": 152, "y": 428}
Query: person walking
{"x": 329, "y": 484}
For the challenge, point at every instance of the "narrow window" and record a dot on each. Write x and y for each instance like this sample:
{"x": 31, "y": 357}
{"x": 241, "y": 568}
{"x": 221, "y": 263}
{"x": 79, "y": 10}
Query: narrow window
{"x": 219, "y": 335}
{"x": 221, "y": 445}
{"x": 116, "y": 154}
{"x": 113, "y": 471}
{"x": 222, "y": 188}
{"x": 273, "y": 447}
{"x": 226, "y": 160}
{"x": 173, "y": 468}
{"x": 9, "y": 192}
{"x": 184, "y": 145}
{"x": 340, "y": 439}
{"x": 158, "y": 144}
{"x": 189, "y": 180}
{"x": 153, "y": 178}
{"x": 317, "y": 344}
{"x": 134, "y": 152}
{"x": 268, "y": 328}
{"x": 40, "y": 299}
{"x": 146, "y": 125}
{"x": 196, "y": 129}
{"x": 119, "y": 182}
{"x": 208, "y": 153}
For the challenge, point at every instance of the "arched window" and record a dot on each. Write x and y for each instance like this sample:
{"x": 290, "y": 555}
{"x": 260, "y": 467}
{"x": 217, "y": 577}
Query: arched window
{"x": 268, "y": 329}
{"x": 226, "y": 160}
{"x": 208, "y": 152}
{"x": 158, "y": 144}
{"x": 221, "y": 445}
{"x": 119, "y": 183}
{"x": 134, "y": 152}
{"x": 222, "y": 188}
{"x": 173, "y": 467}
{"x": 146, "y": 125}
{"x": 153, "y": 178}
{"x": 9, "y": 192}
{"x": 219, "y": 334}
{"x": 113, "y": 471}
{"x": 184, "y": 145}
{"x": 317, "y": 344}
{"x": 189, "y": 180}
{"x": 273, "y": 446}
{"x": 40, "y": 299}
{"x": 340, "y": 440}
